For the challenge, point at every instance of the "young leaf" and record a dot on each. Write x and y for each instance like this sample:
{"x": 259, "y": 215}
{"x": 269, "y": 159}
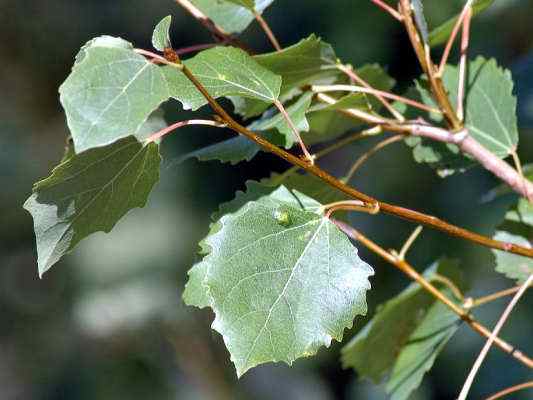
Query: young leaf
{"x": 441, "y": 34}
{"x": 233, "y": 16}
{"x": 282, "y": 280}
{"x": 223, "y": 71}
{"x": 110, "y": 92}
{"x": 401, "y": 342}
{"x": 490, "y": 107}
{"x": 512, "y": 265}
{"x": 90, "y": 192}
{"x": 161, "y": 35}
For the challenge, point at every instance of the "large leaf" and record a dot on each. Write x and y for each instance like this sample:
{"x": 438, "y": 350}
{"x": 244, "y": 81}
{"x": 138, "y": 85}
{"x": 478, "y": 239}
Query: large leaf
{"x": 233, "y": 16}
{"x": 511, "y": 265}
{"x": 490, "y": 111}
{"x": 401, "y": 342}
{"x": 110, "y": 92}
{"x": 441, "y": 34}
{"x": 89, "y": 192}
{"x": 223, "y": 71}
{"x": 282, "y": 280}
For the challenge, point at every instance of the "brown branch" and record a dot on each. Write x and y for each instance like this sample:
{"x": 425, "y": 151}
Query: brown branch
{"x": 465, "y": 39}
{"x": 266, "y": 28}
{"x": 494, "y": 334}
{"x": 510, "y": 390}
{"x": 401, "y": 212}
{"x": 494, "y": 296}
{"x": 385, "y": 7}
{"x": 407, "y": 269}
{"x": 165, "y": 131}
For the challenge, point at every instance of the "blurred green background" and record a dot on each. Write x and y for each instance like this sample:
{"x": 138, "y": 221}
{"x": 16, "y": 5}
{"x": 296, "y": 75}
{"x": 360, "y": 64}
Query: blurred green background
{"x": 108, "y": 321}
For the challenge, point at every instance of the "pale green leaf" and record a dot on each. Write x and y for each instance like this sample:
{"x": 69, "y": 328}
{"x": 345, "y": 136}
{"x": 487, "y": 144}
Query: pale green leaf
{"x": 401, "y": 342}
{"x": 441, "y": 34}
{"x": 522, "y": 213}
{"x": 511, "y": 265}
{"x": 420, "y": 20}
{"x": 90, "y": 192}
{"x": 110, "y": 92}
{"x": 223, "y": 71}
{"x": 161, "y": 35}
{"x": 490, "y": 110}
{"x": 282, "y": 280}
{"x": 233, "y": 16}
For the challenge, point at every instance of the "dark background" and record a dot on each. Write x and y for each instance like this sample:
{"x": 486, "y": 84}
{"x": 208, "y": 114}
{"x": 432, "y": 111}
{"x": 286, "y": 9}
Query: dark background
{"x": 108, "y": 321}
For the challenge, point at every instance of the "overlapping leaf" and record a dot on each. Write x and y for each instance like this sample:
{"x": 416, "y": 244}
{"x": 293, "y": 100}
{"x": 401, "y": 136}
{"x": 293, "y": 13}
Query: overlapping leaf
{"x": 282, "y": 280}
{"x": 110, "y": 93}
{"x": 233, "y": 16}
{"x": 490, "y": 113}
{"x": 401, "y": 342}
{"x": 511, "y": 265}
{"x": 89, "y": 192}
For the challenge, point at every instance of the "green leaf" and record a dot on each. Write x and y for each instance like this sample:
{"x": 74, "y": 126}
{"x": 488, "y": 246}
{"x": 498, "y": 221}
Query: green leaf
{"x": 110, "y": 92}
{"x": 223, "y": 71}
{"x": 522, "y": 213}
{"x": 233, "y": 16}
{"x": 161, "y": 35}
{"x": 271, "y": 282}
{"x": 490, "y": 110}
{"x": 441, "y": 34}
{"x": 240, "y": 148}
{"x": 401, "y": 342}
{"x": 303, "y": 63}
{"x": 511, "y": 265}
{"x": 90, "y": 192}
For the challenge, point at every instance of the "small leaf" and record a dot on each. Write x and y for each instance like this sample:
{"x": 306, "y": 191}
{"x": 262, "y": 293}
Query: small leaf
{"x": 223, "y": 71}
{"x": 90, "y": 192}
{"x": 110, "y": 92}
{"x": 401, "y": 342}
{"x": 161, "y": 35}
{"x": 441, "y": 34}
{"x": 233, "y": 16}
{"x": 490, "y": 109}
{"x": 511, "y": 265}
{"x": 522, "y": 213}
{"x": 420, "y": 20}
{"x": 271, "y": 281}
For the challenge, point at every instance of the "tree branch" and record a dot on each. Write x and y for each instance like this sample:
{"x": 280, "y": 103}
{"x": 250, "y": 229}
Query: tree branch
{"x": 407, "y": 269}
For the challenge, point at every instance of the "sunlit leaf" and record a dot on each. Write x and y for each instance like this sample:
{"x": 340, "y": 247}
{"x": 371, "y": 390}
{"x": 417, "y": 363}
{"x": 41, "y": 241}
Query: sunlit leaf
{"x": 511, "y": 265}
{"x": 161, "y": 35}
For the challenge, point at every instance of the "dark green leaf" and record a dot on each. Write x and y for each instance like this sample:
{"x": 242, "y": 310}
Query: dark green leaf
{"x": 90, "y": 192}
{"x": 401, "y": 342}
{"x": 270, "y": 280}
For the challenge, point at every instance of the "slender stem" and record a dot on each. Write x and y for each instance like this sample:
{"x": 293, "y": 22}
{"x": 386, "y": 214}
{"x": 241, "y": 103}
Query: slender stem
{"x": 177, "y": 125}
{"x": 380, "y": 95}
{"x": 409, "y": 242}
{"x": 422, "y": 52}
{"x": 351, "y": 205}
{"x": 197, "y": 47}
{"x": 494, "y": 296}
{"x": 518, "y": 166}
{"x": 384, "y": 6}
{"x": 477, "y": 364}
{"x": 401, "y": 212}
{"x": 510, "y": 390}
{"x": 364, "y": 158}
{"x": 356, "y": 113}
{"x": 266, "y": 28}
{"x": 465, "y": 39}
{"x": 452, "y": 37}
{"x": 288, "y": 119}
{"x": 450, "y": 285}
{"x": 406, "y": 268}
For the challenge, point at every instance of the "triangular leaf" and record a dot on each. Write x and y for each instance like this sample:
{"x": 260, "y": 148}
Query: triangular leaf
{"x": 110, "y": 93}
{"x": 90, "y": 192}
{"x": 161, "y": 35}
{"x": 223, "y": 71}
{"x": 404, "y": 337}
{"x": 233, "y": 16}
{"x": 272, "y": 284}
